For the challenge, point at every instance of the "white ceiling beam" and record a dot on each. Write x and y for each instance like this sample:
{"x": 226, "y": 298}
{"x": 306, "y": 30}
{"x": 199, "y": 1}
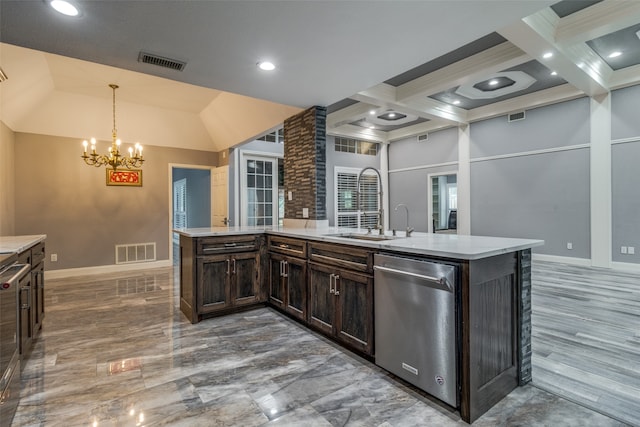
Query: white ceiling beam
{"x": 596, "y": 21}
{"x": 420, "y": 128}
{"x": 357, "y": 132}
{"x": 384, "y": 95}
{"x": 579, "y": 66}
{"x": 625, "y": 77}
{"x": 549, "y": 96}
{"x": 349, "y": 114}
{"x": 478, "y": 66}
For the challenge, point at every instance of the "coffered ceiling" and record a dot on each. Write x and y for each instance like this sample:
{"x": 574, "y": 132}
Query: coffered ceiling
{"x": 418, "y": 66}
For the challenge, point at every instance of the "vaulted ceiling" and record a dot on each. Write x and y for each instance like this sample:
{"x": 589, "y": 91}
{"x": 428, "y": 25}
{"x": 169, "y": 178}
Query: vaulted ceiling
{"x": 418, "y": 66}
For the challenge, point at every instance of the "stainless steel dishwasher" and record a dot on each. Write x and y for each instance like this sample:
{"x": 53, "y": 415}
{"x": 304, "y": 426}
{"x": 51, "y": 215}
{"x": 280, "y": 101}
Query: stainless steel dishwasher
{"x": 415, "y": 323}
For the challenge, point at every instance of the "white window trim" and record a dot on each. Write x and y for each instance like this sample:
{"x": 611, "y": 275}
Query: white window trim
{"x": 358, "y": 213}
{"x": 248, "y": 155}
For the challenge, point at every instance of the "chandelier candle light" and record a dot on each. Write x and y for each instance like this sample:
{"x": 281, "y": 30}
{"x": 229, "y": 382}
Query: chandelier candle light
{"x": 114, "y": 158}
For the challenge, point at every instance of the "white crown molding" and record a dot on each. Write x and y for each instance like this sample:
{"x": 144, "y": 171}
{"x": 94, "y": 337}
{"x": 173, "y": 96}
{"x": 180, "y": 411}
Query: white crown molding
{"x": 358, "y": 132}
{"x": 549, "y": 96}
{"x": 596, "y": 21}
{"x": 478, "y": 66}
{"x": 625, "y": 77}
{"x": 417, "y": 129}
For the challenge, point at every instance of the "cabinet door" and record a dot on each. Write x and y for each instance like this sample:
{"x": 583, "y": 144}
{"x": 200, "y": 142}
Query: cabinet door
{"x": 321, "y": 301}
{"x": 296, "y": 287}
{"x": 354, "y": 321}
{"x": 276, "y": 281}
{"x": 213, "y": 283}
{"x": 25, "y": 320}
{"x": 245, "y": 277}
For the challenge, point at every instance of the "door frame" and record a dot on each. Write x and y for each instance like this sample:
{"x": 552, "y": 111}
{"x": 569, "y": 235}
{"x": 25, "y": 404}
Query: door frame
{"x": 170, "y": 190}
{"x": 242, "y": 175}
{"x": 430, "y": 196}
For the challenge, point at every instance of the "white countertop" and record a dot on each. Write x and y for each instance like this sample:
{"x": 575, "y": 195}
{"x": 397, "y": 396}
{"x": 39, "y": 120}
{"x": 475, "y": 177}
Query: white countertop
{"x": 17, "y": 244}
{"x": 442, "y": 245}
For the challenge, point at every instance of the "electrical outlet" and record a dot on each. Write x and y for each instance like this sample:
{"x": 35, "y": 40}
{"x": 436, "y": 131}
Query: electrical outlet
{"x": 54, "y": 257}
{"x": 569, "y": 245}
{"x": 290, "y": 195}
{"x": 623, "y": 249}
{"x": 631, "y": 250}
{"x": 305, "y": 212}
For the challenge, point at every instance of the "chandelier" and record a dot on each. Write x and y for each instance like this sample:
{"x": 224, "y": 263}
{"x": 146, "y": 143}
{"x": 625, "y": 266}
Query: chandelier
{"x": 114, "y": 158}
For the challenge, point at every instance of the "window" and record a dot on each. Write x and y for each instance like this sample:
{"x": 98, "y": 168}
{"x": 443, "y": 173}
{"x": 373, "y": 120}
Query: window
{"x": 277, "y": 136}
{"x": 347, "y": 214}
{"x": 350, "y": 145}
{"x": 261, "y": 189}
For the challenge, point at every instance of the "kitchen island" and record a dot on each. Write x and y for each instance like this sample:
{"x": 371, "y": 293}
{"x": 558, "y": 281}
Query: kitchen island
{"x": 324, "y": 278}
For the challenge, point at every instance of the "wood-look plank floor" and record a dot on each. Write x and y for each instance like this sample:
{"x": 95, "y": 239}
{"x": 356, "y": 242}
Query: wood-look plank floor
{"x": 586, "y": 337}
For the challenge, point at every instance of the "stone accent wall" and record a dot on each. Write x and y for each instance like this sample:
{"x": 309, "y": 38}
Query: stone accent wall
{"x": 305, "y": 163}
{"x": 524, "y": 334}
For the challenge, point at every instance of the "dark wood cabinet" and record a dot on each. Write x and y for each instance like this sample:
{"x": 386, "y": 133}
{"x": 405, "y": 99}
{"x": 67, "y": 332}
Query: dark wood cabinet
{"x": 31, "y": 298}
{"x": 288, "y": 276}
{"x": 341, "y": 294}
{"x": 219, "y": 274}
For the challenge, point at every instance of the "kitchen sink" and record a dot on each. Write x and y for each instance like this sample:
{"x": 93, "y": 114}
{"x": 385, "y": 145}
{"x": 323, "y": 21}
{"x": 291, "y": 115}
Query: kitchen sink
{"x": 360, "y": 236}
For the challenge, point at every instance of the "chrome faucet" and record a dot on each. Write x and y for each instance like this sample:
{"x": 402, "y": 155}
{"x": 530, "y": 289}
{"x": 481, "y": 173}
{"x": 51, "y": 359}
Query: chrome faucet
{"x": 380, "y": 225}
{"x": 408, "y": 229}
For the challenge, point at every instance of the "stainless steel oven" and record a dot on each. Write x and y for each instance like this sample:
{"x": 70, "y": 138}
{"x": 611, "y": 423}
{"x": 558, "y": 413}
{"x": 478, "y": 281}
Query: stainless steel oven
{"x": 11, "y": 274}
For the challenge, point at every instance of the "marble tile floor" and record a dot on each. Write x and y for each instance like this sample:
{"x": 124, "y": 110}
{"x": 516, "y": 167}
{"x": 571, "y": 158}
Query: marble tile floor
{"x": 116, "y": 351}
{"x": 586, "y": 336}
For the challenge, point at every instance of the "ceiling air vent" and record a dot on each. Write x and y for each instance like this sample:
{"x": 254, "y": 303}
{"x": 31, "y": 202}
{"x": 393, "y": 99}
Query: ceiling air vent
{"x": 514, "y": 117}
{"x": 161, "y": 61}
{"x": 423, "y": 137}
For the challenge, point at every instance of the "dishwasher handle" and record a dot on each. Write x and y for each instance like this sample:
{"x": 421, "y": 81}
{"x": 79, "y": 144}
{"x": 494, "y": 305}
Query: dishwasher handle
{"x": 442, "y": 281}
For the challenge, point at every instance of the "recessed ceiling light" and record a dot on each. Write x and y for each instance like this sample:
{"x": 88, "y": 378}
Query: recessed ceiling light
{"x": 372, "y": 127}
{"x": 554, "y": 73}
{"x": 547, "y": 55}
{"x": 392, "y": 115}
{"x": 64, "y": 7}
{"x": 266, "y": 66}
{"x": 372, "y": 112}
{"x": 493, "y": 82}
{"x": 615, "y": 54}
{"x": 456, "y": 102}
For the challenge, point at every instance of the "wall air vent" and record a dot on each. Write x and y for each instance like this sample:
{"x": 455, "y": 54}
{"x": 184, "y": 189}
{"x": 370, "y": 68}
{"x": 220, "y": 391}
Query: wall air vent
{"x": 514, "y": 117}
{"x": 423, "y": 137}
{"x": 161, "y": 61}
{"x": 136, "y": 252}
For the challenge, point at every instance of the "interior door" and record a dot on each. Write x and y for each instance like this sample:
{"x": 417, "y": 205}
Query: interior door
{"x": 219, "y": 196}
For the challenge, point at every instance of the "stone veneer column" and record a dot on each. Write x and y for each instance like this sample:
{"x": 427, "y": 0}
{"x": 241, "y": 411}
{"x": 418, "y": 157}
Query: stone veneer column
{"x": 305, "y": 162}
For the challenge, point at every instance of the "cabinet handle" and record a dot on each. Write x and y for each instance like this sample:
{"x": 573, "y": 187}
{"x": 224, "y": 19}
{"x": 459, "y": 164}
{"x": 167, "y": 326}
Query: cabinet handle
{"x": 234, "y": 266}
{"x": 284, "y": 246}
{"x": 27, "y": 305}
{"x": 230, "y": 245}
{"x": 228, "y": 267}
{"x": 335, "y": 285}
{"x": 285, "y": 269}
{"x": 331, "y": 288}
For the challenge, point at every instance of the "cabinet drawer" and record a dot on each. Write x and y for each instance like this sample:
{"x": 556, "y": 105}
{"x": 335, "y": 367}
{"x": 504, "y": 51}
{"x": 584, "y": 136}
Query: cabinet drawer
{"x": 349, "y": 257}
{"x": 287, "y": 246}
{"x": 25, "y": 257}
{"x": 227, "y": 244}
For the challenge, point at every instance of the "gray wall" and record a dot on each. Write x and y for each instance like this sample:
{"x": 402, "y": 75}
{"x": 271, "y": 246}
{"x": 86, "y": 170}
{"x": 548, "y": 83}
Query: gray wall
{"x": 410, "y": 186}
{"x": 542, "y": 196}
{"x": 347, "y": 160}
{"x": 198, "y": 195}
{"x": 58, "y": 195}
{"x": 625, "y": 193}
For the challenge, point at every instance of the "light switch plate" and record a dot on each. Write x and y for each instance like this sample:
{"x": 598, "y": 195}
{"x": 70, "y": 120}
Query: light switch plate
{"x": 631, "y": 250}
{"x": 290, "y": 195}
{"x": 569, "y": 245}
{"x": 623, "y": 249}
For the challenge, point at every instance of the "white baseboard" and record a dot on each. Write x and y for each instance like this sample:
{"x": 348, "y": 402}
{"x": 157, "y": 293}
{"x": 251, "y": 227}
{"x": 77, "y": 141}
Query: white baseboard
{"x": 583, "y": 262}
{"x": 627, "y": 266}
{"x": 101, "y": 269}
